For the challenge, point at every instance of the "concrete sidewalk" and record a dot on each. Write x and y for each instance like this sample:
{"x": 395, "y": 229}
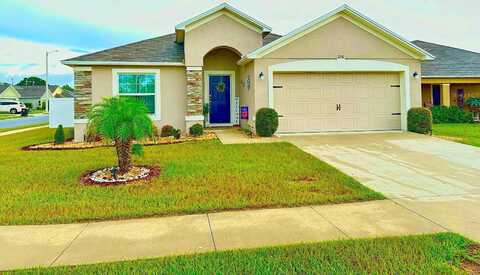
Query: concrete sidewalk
{"x": 71, "y": 244}
{"x": 22, "y": 130}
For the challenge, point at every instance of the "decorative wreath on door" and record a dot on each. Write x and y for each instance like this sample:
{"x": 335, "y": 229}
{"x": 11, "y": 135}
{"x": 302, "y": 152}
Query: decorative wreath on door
{"x": 221, "y": 87}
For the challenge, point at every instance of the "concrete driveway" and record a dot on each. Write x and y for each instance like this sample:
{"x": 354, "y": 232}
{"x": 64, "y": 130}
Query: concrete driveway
{"x": 435, "y": 178}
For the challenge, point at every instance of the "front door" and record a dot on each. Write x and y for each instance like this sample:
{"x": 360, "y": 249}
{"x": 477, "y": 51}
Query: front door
{"x": 219, "y": 91}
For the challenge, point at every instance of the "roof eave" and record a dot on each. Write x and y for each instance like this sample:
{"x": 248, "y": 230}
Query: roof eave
{"x": 451, "y": 76}
{"x": 119, "y": 63}
{"x": 265, "y": 28}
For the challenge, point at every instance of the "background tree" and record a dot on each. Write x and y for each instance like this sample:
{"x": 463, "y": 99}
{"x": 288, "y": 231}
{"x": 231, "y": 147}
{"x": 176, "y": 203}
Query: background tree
{"x": 31, "y": 81}
{"x": 122, "y": 120}
{"x": 67, "y": 87}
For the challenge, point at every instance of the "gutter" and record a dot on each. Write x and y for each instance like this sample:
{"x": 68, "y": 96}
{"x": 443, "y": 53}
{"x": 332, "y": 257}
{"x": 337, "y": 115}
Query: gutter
{"x": 120, "y": 63}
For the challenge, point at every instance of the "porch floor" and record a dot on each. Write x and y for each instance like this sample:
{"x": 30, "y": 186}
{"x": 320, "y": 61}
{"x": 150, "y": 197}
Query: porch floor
{"x": 235, "y": 135}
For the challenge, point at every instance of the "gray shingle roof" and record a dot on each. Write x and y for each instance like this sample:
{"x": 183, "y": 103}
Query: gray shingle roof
{"x": 449, "y": 61}
{"x": 3, "y": 87}
{"x": 269, "y": 38}
{"x": 33, "y": 91}
{"x": 158, "y": 49}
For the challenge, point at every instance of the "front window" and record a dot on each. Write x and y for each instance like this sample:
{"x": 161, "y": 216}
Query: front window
{"x": 140, "y": 86}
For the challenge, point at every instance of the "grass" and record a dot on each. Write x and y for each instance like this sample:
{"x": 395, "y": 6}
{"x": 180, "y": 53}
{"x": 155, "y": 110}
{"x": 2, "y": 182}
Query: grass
{"x": 22, "y": 127}
{"x": 41, "y": 187}
{"x": 463, "y": 133}
{"x": 441, "y": 253}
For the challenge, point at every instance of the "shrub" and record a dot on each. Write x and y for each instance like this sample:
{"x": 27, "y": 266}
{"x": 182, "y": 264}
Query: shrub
{"x": 452, "y": 114}
{"x": 177, "y": 133}
{"x": 29, "y": 105}
{"x": 196, "y": 130}
{"x": 155, "y": 133}
{"x": 419, "y": 120}
{"x": 167, "y": 131}
{"x": 266, "y": 123}
{"x": 59, "y": 135}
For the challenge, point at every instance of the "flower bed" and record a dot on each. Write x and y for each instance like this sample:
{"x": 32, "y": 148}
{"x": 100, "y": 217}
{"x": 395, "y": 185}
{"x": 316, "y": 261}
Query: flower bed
{"x": 107, "y": 177}
{"x": 70, "y": 145}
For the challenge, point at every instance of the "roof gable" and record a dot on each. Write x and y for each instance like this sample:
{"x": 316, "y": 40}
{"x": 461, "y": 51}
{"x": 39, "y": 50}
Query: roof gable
{"x": 221, "y": 9}
{"x": 8, "y": 91}
{"x": 354, "y": 17}
{"x": 225, "y": 10}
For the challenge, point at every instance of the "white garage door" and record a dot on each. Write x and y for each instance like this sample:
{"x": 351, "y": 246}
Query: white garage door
{"x": 319, "y": 102}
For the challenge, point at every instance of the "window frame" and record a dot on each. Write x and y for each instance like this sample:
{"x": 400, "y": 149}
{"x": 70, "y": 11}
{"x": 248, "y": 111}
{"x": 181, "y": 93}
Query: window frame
{"x": 157, "y": 94}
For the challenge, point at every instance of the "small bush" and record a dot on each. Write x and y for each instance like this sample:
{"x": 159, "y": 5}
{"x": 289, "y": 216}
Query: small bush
{"x": 419, "y": 120}
{"x": 266, "y": 123}
{"x": 177, "y": 133}
{"x": 167, "y": 131}
{"x": 452, "y": 114}
{"x": 155, "y": 133}
{"x": 59, "y": 135}
{"x": 29, "y": 105}
{"x": 196, "y": 130}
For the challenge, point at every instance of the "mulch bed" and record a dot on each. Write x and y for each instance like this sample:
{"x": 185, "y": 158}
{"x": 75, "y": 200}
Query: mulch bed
{"x": 70, "y": 145}
{"x": 87, "y": 180}
{"x": 472, "y": 267}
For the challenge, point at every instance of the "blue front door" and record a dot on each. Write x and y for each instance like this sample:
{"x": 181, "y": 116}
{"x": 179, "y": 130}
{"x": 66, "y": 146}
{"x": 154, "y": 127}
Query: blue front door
{"x": 219, "y": 86}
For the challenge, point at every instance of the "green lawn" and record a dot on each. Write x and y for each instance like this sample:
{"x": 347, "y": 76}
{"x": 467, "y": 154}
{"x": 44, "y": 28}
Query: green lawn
{"x": 21, "y": 127}
{"x": 464, "y": 133}
{"x": 39, "y": 187}
{"x": 441, "y": 253}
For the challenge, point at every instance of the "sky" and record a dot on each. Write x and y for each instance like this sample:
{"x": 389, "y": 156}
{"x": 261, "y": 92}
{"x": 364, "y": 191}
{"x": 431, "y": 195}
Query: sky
{"x": 28, "y": 28}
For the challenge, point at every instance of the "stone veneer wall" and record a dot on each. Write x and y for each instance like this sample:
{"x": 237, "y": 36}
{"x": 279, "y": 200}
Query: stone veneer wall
{"x": 194, "y": 92}
{"x": 83, "y": 93}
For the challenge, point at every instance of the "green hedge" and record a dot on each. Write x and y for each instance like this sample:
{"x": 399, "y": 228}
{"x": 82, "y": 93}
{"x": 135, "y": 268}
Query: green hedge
{"x": 419, "y": 120}
{"x": 167, "y": 131}
{"x": 196, "y": 130}
{"x": 266, "y": 122}
{"x": 452, "y": 114}
{"x": 59, "y": 135}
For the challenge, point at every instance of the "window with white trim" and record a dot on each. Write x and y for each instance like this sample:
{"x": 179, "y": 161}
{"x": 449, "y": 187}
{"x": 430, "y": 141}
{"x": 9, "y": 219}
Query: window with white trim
{"x": 140, "y": 86}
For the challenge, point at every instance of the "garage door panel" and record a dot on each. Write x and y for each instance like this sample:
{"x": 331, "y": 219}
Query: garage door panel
{"x": 308, "y": 101}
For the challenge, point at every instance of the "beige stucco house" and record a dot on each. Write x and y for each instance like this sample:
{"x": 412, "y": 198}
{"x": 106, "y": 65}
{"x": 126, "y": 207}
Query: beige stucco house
{"x": 340, "y": 72}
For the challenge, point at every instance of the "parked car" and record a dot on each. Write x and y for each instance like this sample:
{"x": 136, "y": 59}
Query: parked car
{"x": 12, "y": 106}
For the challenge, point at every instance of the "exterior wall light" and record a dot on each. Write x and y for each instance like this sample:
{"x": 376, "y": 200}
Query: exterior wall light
{"x": 261, "y": 76}
{"x": 416, "y": 75}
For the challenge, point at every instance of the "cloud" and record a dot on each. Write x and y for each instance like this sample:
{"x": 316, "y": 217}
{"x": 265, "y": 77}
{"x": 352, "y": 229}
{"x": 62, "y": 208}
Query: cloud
{"x": 26, "y": 20}
{"x": 21, "y": 58}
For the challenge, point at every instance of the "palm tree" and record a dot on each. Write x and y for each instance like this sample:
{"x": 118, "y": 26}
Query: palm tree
{"x": 122, "y": 120}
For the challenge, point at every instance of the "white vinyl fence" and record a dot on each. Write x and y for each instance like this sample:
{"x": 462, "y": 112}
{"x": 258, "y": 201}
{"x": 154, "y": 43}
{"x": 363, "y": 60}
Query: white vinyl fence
{"x": 61, "y": 112}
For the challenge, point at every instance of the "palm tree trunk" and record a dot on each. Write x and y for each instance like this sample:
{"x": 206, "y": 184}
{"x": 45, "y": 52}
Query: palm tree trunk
{"x": 124, "y": 155}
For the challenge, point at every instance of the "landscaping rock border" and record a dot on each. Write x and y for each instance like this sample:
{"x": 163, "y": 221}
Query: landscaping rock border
{"x": 70, "y": 145}
{"x": 144, "y": 174}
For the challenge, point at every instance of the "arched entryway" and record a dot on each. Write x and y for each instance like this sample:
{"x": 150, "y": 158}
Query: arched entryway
{"x": 221, "y": 86}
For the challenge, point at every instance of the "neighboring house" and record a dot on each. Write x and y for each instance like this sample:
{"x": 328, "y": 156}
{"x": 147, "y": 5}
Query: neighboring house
{"x": 450, "y": 79}
{"x": 340, "y": 72}
{"x": 37, "y": 96}
{"x": 8, "y": 91}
